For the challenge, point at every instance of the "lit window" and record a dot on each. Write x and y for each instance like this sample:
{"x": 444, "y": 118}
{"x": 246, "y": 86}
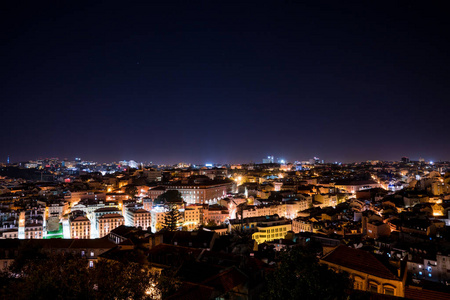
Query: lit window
{"x": 373, "y": 288}
{"x": 389, "y": 291}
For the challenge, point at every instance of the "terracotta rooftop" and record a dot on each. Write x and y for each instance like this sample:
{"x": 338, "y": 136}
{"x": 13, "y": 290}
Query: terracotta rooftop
{"x": 111, "y": 216}
{"x": 79, "y": 219}
{"x": 358, "y": 260}
{"x": 423, "y": 294}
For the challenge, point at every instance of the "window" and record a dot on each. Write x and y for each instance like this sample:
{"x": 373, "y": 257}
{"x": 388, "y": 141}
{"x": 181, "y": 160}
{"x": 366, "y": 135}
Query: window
{"x": 91, "y": 264}
{"x": 358, "y": 285}
{"x": 373, "y": 288}
{"x": 389, "y": 291}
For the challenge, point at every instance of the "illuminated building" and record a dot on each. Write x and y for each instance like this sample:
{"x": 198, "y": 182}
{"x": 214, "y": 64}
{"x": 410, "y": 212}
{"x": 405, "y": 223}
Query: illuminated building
{"x": 58, "y": 209}
{"x": 108, "y": 222}
{"x": 80, "y": 228}
{"x": 217, "y": 215}
{"x": 201, "y": 191}
{"x": 33, "y": 231}
{"x": 156, "y": 192}
{"x": 326, "y": 199}
{"x": 137, "y": 217}
{"x": 157, "y": 218}
{"x": 193, "y": 215}
{"x": 268, "y": 160}
{"x": 11, "y": 233}
{"x": 354, "y": 186}
{"x": 116, "y": 197}
{"x": 366, "y": 271}
{"x": 97, "y": 214}
{"x": 376, "y": 229}
{"x": 302, "y": 224}
{"x": 270, "y": 229}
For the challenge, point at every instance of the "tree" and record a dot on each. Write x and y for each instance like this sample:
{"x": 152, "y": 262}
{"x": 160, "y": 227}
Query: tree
{"x": 131, "y": 191}
{"x": 241, "y": 241}
{"x": 127, "y": 280}
{"x": 171, "y": 218}
{"x": 170, "y": 196}
{"x": 211, "y": 223}
{"x": 67, "y": 276}
{"x": 300, "y": 276}
{"x": 49, "y": 276}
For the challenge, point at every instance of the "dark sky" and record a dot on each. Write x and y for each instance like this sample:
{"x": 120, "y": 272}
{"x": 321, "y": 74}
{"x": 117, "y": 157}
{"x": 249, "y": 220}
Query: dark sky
{"x": 221, "y": 82}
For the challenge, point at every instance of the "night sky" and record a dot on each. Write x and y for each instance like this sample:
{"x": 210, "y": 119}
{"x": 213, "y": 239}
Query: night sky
{"x": 221, "y": 82}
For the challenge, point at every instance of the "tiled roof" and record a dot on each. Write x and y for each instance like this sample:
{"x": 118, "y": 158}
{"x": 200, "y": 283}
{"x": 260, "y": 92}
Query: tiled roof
{"x": 110, "y": 216}
{"x": 358, "y": 260}
{"x": 79, "y": 219}
{"x": 106, "y": 209}
{"x": 422, "y": 294}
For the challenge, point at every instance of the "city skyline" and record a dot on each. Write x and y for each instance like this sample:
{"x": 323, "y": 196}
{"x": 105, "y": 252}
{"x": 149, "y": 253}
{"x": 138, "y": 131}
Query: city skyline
{"x": 276, "y": 159}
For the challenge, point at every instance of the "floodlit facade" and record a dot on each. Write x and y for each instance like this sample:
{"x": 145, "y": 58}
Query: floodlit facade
{"x": 80, "y": 228}
{"x": 138, "y": 217}
{"x": 108, "y": 222}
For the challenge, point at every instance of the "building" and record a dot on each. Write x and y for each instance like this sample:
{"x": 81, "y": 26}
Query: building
{"x": 58, "y": 209}
{"x": 326, "y": 200}
{"x": 202, "y": 190}
{"x": 354, "y": 186}
{"x": 268, "y": 160}
{"x": 108, "y": 222}
{"x": 367, "y": 272}
{"x": 138, "y": 217}
{"x": 376, "y": 229}
{"x": 155, "y": 192}
{"x": 33, "y": 231}
{"x": 271, "y": 230}
{"x": 266, "y": 228}
{"x": 80, "y": 227}
{"x": 157, "y": 215}
{"x": 120, "y": 197}
{"x": 304, "y": 224}
{"x": 215, "y": 214}
{"x": 193, "y": 216}
{"x": 10, "y": 233}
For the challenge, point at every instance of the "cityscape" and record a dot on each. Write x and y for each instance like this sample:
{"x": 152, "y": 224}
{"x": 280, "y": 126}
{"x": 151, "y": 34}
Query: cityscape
{"x": 384, "y": 223}
{"x": 224, "y": 150}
